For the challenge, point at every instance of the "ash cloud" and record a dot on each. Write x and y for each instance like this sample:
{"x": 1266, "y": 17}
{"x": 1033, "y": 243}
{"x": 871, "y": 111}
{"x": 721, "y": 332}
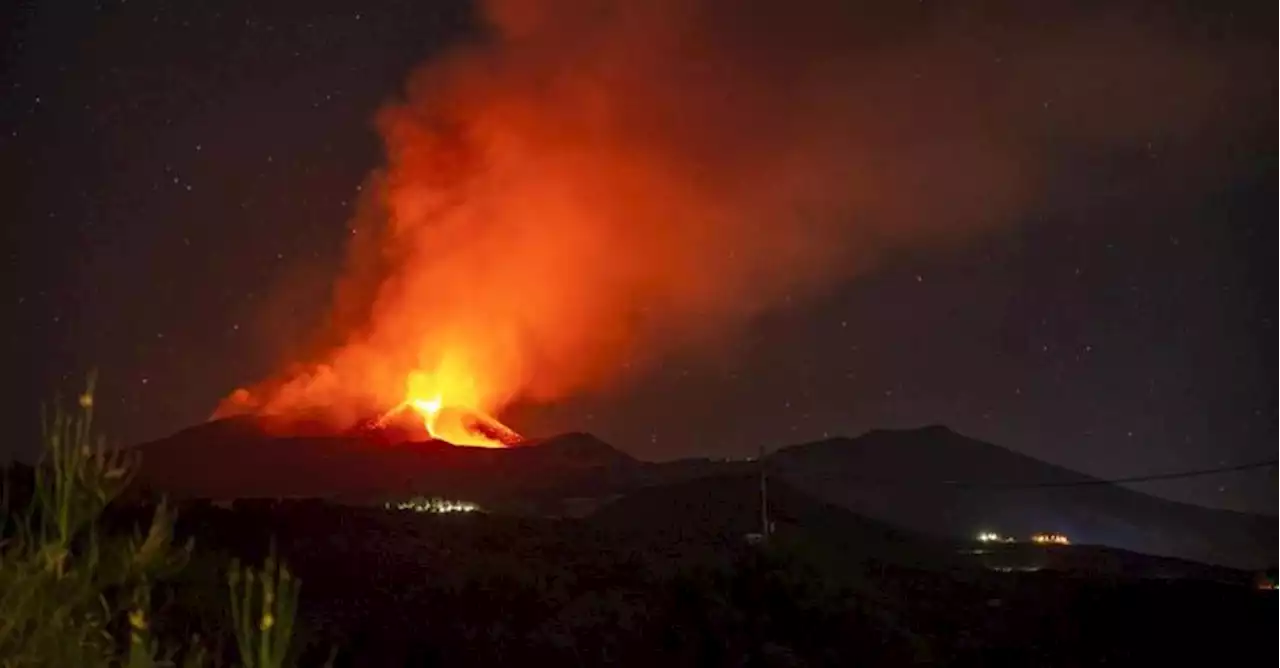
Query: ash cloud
{"x": 591, "y": 185}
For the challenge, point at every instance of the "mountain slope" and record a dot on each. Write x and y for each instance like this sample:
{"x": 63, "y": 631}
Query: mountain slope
{"x": 919, "y": 479}
{"x": 236, "y": 459}
{"x": 723, "y": 509}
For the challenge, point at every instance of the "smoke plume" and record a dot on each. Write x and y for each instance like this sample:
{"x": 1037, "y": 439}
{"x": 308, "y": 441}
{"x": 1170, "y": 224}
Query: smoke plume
{"x": 589, "y": 185}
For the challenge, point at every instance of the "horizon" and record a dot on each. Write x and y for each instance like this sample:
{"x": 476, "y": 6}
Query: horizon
{"x": 1139, "y": 482}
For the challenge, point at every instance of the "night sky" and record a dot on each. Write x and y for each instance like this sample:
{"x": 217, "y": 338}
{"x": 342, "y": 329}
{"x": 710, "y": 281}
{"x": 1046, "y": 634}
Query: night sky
{"x": 178, "y": 179}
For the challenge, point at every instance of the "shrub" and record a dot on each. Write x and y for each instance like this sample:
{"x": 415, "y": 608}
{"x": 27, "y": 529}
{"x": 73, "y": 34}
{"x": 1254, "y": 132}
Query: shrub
{"x": 73, "y": 593}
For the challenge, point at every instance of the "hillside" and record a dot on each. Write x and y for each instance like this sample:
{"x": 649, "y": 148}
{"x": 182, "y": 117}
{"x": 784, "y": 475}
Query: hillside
{"x": 231, "y": 459}
{"x": 723, "y": 509}
{"x": 936, "y": 481}
{"x": 661, "y": 576}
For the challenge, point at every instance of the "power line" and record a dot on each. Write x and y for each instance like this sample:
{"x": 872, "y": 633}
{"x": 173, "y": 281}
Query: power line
{"x": 1176, "y": 475}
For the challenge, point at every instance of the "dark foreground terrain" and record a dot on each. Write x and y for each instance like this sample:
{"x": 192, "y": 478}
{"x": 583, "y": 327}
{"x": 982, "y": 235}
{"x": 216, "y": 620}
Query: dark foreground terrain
{"x": 664, "y": 577}
{"x": 568, "y": 552}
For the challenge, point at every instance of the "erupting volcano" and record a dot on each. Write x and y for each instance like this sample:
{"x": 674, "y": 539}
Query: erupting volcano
{"x": 587, "y": 186}
{"x": 444, "y": 407}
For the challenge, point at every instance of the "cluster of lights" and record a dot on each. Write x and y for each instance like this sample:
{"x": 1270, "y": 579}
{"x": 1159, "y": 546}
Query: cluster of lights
{"x": 422, "y": 504}
{"x": 1039, "y": 539}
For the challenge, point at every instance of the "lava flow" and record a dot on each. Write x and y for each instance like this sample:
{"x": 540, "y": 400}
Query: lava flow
{"x": 453, "y": 424}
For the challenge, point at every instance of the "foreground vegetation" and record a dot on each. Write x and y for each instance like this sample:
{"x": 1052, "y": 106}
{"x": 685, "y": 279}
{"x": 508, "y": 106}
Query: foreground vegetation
{"x": 73, "y": 592}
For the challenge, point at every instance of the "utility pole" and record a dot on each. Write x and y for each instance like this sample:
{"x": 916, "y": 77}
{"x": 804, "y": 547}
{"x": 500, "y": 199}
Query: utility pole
{"x": 765, "y": 528}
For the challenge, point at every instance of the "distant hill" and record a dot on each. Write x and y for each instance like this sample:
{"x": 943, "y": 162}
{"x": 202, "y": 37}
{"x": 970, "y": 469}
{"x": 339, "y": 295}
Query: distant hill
{"x": 721, "y": 510}
{"x": 937, "y": 481}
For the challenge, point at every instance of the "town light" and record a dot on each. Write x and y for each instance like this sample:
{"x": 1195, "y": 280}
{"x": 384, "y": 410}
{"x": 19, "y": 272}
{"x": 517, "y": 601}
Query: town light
{"x": 421, "y": 504}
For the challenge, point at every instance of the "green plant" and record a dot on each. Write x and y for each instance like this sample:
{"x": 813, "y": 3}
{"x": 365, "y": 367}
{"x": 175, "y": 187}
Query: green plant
{"x": 65, "y": 584}
{"x": 73, "y": 593}
{"x": 263, "y": 608}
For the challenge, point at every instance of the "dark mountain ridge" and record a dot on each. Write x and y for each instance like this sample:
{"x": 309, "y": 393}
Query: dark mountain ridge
{"x": 930, "y": 481}
{"x": 237, "y": 458}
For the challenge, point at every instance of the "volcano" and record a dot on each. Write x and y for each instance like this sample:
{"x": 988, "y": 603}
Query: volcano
{"x": 449, "y": 424}
{"x": 423, "y": 414}
{"x": 255, "y": 457}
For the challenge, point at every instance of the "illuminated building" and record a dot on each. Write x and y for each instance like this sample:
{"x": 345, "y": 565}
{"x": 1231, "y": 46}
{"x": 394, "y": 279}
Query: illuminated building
{"x": 1050, "y": 539}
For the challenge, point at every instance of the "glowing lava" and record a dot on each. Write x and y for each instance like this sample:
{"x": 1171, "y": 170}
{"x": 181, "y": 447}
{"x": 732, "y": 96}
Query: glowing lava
{"x": 454, "y": 423}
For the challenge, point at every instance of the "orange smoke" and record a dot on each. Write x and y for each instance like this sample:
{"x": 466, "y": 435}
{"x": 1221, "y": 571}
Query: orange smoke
{"x": 594, "y": 184}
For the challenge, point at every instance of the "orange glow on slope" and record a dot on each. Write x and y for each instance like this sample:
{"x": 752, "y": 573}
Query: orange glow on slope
{"x": 453, "y": 423}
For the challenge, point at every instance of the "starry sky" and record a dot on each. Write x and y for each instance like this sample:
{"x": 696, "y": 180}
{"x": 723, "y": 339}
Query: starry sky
{"x": 179, "y": 176}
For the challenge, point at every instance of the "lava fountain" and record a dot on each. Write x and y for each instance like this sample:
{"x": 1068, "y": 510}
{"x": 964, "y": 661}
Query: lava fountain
{"x": 457, "y": 425}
